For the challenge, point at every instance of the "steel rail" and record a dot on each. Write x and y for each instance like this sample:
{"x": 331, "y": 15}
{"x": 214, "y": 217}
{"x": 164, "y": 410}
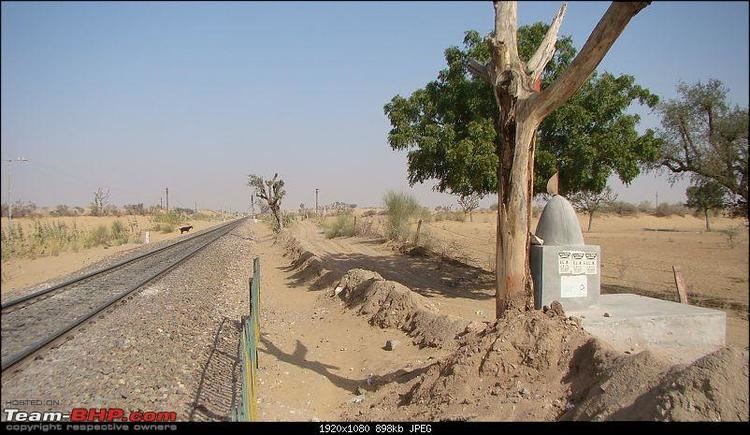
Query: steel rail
{"x": 39, "y": 344}
{"x": 68, "y": 282}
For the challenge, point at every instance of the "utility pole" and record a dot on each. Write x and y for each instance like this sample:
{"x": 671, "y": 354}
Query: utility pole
{"x": 10, "y": 197}
{"x": 161, "y": 203}
{"x": 316, "y": 202}
{"x": 167, "y": 190}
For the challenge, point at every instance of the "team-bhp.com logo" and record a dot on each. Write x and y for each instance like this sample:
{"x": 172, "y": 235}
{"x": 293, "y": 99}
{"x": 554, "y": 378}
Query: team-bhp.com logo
{"x": 80, "y": 415}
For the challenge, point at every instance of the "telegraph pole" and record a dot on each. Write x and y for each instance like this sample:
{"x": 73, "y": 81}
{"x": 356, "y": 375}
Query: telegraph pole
{"x": 10, "y": 197}
{"x": 167, "y": 190}
{"x": 316, "y": 202}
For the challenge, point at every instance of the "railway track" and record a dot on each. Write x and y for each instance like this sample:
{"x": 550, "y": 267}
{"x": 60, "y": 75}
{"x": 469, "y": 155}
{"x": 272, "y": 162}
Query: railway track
{"x": 33, "y": 322}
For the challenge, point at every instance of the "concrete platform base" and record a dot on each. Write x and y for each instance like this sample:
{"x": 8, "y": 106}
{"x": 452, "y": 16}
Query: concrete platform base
{"x": 631, "y": 323}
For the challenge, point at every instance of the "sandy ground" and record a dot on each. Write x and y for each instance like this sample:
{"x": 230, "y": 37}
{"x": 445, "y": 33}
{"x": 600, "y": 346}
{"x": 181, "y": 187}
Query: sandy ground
{"x": 637, "y": 257}
{"x": 314, "y": 353}
{"x": 455, "y": 289}
{"x": 19, "y": 273}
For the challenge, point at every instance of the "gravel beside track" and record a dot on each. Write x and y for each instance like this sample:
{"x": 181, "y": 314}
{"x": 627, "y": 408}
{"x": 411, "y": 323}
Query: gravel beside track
{"x": 171, "y": 346}
{"x": 110, "y": 260}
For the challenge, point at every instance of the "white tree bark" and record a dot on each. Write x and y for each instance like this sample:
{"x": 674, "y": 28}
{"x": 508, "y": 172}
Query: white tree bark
{"x": 522, "y": 108}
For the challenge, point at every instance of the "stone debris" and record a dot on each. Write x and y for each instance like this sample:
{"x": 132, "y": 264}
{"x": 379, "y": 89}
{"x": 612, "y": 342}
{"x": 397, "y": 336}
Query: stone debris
{"x": 475, "y": 326}
{"x": 391, "y": 345}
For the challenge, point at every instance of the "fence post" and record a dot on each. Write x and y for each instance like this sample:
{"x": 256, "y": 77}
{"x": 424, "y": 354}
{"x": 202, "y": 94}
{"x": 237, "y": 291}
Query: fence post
{"x": 416, "y": 236}
{"x": 680, "y": 283}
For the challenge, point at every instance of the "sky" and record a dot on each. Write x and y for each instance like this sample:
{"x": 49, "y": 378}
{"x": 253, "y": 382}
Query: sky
{"x": 136, "y": 97}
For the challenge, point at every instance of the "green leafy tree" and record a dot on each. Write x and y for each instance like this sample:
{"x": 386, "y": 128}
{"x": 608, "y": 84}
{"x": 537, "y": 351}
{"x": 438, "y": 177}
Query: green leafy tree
{"x": 447, "y": 126}
{"x": 706, "y": 196}
{"x": 704, "y": 137}
{"x": 476, "y": 129}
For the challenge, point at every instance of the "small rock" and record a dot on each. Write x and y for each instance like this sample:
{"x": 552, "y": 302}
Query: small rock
{"x": 475, "y": 326}
{"x": 606, "y": 314}
{"x": 524, "y": 392}
{"x": 555, "y": 309}
{"x": 337, "y": 290}
{"x": 357, "y": 399}
{"x": 391, "y": 344}
{"x": 361, "y": 391}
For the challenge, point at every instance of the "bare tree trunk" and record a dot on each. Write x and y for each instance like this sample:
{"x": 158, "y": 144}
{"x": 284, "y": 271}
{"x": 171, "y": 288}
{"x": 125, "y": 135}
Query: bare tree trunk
{"x": 471, "y": 217}
{"x": 522, "y": 106}
{"x": 591, "y": 218}
{"x": 276, "y": 215}
{"x": 512, "y": 272}
{"x": 708, "y": 225}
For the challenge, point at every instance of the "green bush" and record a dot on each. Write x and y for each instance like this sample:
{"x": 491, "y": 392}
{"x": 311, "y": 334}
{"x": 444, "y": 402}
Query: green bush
{"x": 99, "y": 236}
{"x": 342, "y": 226}
{"x": 622, "y": 208}
{"x": 666, "y": 209}
{"x": 166, "y": 222}
{"x": 400, "y": 209}
{"x": 645, "y": 207}
{"x": 52, "y": 237}
{"x": 449, "y": 215}
{"x": 119, "y": 234}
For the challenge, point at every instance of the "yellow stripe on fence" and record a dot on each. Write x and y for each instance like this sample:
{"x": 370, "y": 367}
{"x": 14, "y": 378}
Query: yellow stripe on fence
{"x": 247, "y": 408}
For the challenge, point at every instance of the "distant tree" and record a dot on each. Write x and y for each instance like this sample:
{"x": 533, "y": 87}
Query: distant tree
{"x": 645, "y": 207}
{"x": 271, "y": 191}
{"x": 708, "y": 195}
{"x": 101, "y": 200}
{"x": 61, "y": 210}
{"x": 184, "y": 211}
{"x": 135, "y": 209}
{"x": 590, "y": 202}
{"x": 704, "y": 137}
{"x": 111, "y": 210}
{"x": 20, "y": 209}
{"x": 469, "y": 203}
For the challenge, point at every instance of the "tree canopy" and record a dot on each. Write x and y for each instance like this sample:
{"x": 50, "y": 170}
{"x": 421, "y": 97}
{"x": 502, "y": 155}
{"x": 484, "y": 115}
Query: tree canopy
{"x": 447, "y": 126}
{"x": 705, "y": 196}
{"x": 704, "y": 137}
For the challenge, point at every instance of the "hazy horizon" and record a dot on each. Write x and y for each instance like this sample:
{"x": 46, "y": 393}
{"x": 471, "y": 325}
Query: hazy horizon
{"x": 136, "y": 97}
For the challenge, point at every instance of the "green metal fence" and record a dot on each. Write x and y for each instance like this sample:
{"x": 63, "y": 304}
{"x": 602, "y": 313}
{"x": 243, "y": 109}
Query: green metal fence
{"x": 246, "y": 410}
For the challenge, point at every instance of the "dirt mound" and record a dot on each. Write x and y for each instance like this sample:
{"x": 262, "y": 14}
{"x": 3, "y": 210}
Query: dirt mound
{"x": 604, "y": 381}
{"x": 543, "y": 366}
{"x": 310, "y": 268}
{"x": 389, "y": 304}
{"x": 512, "y": 370}
{"x": 713, "y": 388}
